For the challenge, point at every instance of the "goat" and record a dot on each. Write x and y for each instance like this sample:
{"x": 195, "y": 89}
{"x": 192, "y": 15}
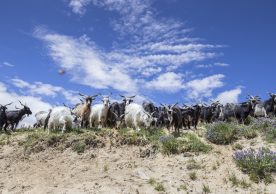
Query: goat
{"x": 3, "y": 116}
{"x": 137, "y": 117}
{"x": 13, "y": 117}
{"x": 174, "y": 117}
{"x": 270, "y": 105}
{"x": 115, "y": 114}
{"x": 99, "y": 112}
{"x": 61, "y": 118}
{"x": 84, "y": 110}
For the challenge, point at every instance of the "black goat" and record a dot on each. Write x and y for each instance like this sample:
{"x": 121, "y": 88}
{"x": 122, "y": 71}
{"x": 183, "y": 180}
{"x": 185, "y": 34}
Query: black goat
{"x": 13, "y": 117}
{"x": 3, "y": 116}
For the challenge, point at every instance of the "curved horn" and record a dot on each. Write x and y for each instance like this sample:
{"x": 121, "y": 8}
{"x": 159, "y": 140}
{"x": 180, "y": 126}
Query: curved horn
{"x": 132, "y": 96}
{"x": 7, "y": 104}
{"x": 165, "y": 106}
{"x": 174, "y": 105}
{"x": 81, "y": 94}
{"x": 122, "y": 96}
{"x": 152, "y": 113}
{"x": 21, "y": 103}
{"x": 94, "y": 96}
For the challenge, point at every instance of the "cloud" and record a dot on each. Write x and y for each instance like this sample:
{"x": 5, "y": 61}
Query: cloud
{"x": 78, "y": 6}
{"x": 7, "y": 64}
{"x": 35, "y": 103}
{"x": 85, "y": 62}
{"x": 146, "y": 46}
{"x": 168, "y": 82}
{"x": 229, "y": 96}
{"x": 42, "y": 89}
{"x": 212, "y": 65}
{"x": 203, "y": 88}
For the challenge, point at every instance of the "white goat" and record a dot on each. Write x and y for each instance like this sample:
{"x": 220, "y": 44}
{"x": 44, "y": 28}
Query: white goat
{"x": 259, "y": 110}
{"x": 98, "y": 116}
{"x": 137, "y": 117}
{"x": 40, "y": 118}
{"x": 61, "y": 118}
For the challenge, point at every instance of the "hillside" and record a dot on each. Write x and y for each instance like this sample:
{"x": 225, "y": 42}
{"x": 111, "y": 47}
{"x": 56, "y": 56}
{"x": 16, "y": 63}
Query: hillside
{"x": 125, "y": 161}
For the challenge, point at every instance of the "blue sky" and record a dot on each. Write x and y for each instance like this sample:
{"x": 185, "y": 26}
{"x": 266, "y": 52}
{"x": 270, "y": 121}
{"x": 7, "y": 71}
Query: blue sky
{"x": 162, "y": 50}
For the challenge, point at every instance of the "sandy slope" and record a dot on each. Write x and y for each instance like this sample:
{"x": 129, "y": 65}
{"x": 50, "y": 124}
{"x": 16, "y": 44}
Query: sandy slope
{"x": 118, "y": 170}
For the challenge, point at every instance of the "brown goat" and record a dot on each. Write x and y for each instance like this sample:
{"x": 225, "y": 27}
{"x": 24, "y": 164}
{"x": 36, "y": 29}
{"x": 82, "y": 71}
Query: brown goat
{"x": 83, "y": 110}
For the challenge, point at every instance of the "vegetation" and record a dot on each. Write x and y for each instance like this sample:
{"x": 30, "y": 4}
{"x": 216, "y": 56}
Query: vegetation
{"x": 152, "y": 181}
{"x": 193, "y": 176}
{"x": 206, "y": 189}
{"x": 192, "y": 164}
{"x": 222, "y": 133}
{"x": 79, "y": 147}
{"x": 105, "y": 168}
{"x": 271, "y": 135}
{"x": 159, "y": 187}
{"x": 249, "y": 132}
{"x": 185, "y": 143}
{"x": 182, "y": 188}
{"x": 237, "y": 146}
{"x": 259, "y": 164}
{"x": 236, "y": 182}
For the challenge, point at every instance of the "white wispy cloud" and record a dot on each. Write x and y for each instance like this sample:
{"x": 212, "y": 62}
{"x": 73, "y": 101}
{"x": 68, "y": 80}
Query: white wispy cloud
{"x": 85, "y": 62}
{"x": 42, "y": 89}
{"x": 169, "y": 82}
{"x": 229, "y": 96}
{"x": 147, "y": 46}
{"x": 203, "y": 88}
{"x": 78, "y": 6}
{"x": 212, "y": 65}
{"x": 7, "y": 64}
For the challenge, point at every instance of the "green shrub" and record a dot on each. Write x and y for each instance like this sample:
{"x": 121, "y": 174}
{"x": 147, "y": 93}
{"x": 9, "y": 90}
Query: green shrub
{"x": 234, "y": 180}
{"x": 152, "y": 181}
{"x": 192, "y": 164}
{"x": 248, "y": 120}
{"x": 237, "y": 146}
{"x": 206, "y": 189}
{"x": 79, "y": 147}
{"x": 193, "y": 176}
{"x": 249, "y": 132}
{"x": 191, "y": 143}
{"x": 170, "y": 145}
{"x": 221, "y": 133}
{"x": 271, "y": 135}
{"x": 133, "y": 139}
{"x": 259, "y": 164}
{"x": 185, "y": 143}
{"x": 159, "y": 187}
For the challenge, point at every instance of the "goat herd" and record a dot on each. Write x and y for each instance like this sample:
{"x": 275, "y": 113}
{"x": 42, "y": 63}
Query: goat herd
{"x": 129, "y": 114}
